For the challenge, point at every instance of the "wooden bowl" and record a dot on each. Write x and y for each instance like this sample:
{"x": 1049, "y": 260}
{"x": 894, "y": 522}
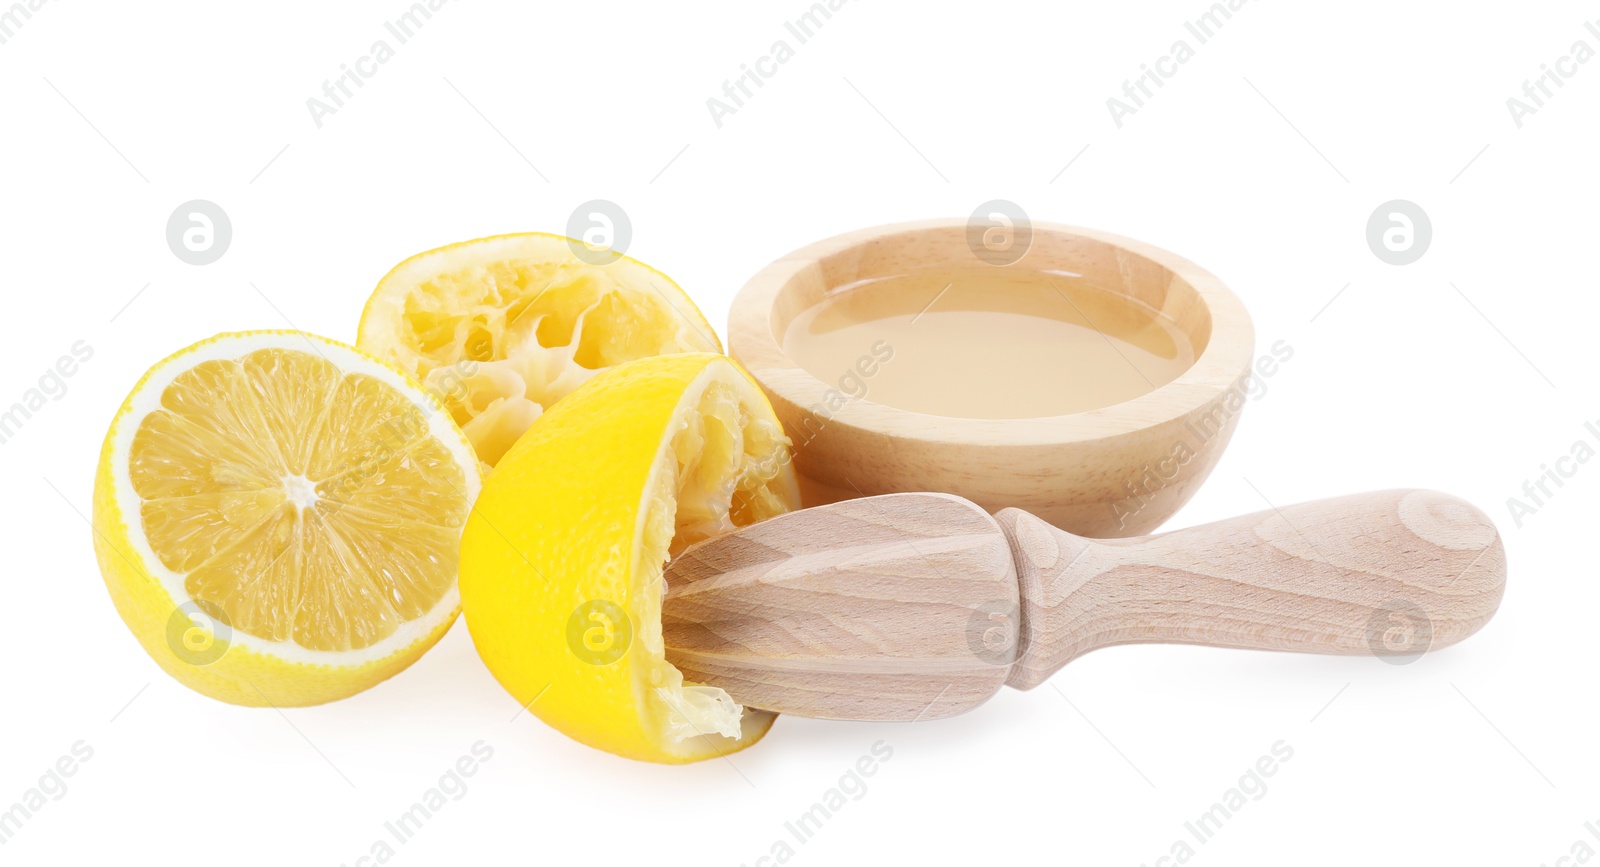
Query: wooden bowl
{"x": 1117, "y": 471}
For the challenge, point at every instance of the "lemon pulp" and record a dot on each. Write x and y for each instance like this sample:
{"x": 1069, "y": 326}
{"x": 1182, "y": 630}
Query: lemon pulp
{"x": 722, "y": 470}
{"x": 503, "y": 327}
{"x": 299, "y": 502}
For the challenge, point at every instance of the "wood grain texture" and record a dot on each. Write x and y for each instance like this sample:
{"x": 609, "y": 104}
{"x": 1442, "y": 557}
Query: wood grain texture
{"x": 918, "y": 606}
{"x": 860, "y": 610}
{"x": 1385, "y": 573}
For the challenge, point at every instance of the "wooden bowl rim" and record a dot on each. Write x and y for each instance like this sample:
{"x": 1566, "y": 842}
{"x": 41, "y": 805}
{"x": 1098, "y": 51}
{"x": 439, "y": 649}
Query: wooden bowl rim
{"x": 1221, "y": 366}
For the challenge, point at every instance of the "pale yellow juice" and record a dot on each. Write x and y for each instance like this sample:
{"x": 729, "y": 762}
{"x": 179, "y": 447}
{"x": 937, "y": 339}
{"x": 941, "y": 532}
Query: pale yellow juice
{"x": 987, "y": 342}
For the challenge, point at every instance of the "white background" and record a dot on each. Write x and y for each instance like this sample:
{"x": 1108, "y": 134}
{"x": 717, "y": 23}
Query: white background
{"x": 1261, "y": 160}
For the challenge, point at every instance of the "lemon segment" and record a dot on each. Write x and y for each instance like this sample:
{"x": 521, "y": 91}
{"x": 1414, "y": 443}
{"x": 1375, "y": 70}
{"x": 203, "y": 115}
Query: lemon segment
{"x": 505, "y": 326}
{"x": 295, "y": 502}
{"x": 561, "y": 563}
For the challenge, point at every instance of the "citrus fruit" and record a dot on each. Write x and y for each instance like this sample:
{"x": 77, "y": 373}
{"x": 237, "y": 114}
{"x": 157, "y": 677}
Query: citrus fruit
{"x": 505, "y": 326}
{"x": 278, "y": 517}
{"x": 561, "y": 561}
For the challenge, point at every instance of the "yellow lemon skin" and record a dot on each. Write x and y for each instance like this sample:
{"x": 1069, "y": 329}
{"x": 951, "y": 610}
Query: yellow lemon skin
{"x": 240, "y": 675}
{"x": 225, "y": 671}
{"x": 558, "y": 527}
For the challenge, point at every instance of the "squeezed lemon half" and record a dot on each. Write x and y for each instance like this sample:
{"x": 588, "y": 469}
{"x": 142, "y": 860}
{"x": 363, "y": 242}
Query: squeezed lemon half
{"x": 561, "y": 561}
{"x": 505, "y": 326}
{"x": 278, "y": 517}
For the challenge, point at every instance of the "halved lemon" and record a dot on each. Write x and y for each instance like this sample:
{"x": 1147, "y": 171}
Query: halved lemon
{"x": 278, "y": 517}
{"x": 505, "y": 326}
{"x": 561, "y": 561}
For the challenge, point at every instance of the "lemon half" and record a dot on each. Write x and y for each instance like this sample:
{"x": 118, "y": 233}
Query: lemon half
{"x": 278, "y": 517}
{"x": 505, "y": 326}
{"x": 561, "y": 561}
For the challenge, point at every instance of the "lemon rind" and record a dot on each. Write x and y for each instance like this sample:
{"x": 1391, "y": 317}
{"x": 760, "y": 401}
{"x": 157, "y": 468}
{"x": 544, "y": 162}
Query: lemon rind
{"x": 724, "y": 370}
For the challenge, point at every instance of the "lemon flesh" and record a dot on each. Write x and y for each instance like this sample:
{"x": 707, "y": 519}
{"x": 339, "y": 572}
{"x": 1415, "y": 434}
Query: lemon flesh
{"x": 585, "y": 510}
{"x": 724, "y": 468}
{"x": 503, "y": 327}
{"x": 305, "y": 499}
